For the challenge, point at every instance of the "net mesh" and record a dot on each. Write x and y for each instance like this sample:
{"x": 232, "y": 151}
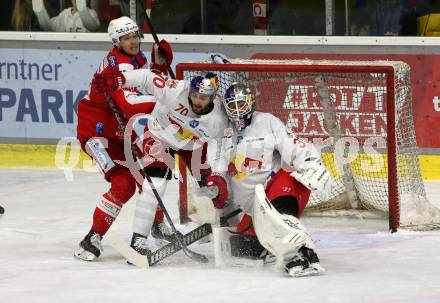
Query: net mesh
{"x": 342, "y": 106}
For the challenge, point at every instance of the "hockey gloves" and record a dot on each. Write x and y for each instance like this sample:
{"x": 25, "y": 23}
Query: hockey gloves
{"x": 219, "y": 181}
{"x": 108, "y": 80}
{"x": 315, "y": 176}
{"x": 161, "y": 57}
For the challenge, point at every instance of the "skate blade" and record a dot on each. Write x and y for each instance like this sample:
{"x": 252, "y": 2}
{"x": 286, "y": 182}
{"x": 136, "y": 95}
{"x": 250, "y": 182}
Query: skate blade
{"x": 310, "y": 271}
{"x": 84, "y": 255}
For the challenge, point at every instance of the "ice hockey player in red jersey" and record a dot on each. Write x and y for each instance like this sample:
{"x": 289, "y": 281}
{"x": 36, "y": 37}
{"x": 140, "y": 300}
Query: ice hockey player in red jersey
{"x": 102, "y": 138}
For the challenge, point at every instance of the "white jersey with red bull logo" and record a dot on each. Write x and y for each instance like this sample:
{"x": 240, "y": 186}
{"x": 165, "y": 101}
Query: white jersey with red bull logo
{"x": 260, "y": 150}
{"x": 174, "y": 121}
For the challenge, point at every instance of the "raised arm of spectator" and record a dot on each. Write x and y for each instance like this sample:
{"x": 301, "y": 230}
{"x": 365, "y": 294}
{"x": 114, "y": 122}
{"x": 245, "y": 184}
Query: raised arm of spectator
{"x": 42, "y": 15}
{"x": 88, "y": 16}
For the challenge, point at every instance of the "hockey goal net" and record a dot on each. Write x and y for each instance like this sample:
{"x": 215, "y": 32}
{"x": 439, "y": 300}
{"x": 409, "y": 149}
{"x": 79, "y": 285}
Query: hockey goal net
{"x": 358, "y": 113}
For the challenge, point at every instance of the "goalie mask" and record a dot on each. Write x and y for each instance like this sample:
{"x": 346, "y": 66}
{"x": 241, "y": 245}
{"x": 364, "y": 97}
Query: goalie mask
{"x": 200, "y": 88}
{"x": 120, "y": 27}
{"x": 239, "y": 104}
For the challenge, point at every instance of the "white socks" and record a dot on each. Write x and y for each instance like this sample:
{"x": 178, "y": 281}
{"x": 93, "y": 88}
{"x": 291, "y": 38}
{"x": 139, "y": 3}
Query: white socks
{"x": 146, "y": 206}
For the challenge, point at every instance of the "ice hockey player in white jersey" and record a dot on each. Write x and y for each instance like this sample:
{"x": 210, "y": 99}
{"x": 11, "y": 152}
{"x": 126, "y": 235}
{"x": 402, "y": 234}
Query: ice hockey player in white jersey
{"x": 262, "y": 152}
{"x": 187, "y": 115}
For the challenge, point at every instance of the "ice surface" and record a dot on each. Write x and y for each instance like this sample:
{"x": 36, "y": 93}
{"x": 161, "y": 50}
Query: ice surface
{"x": 46, "y": 216}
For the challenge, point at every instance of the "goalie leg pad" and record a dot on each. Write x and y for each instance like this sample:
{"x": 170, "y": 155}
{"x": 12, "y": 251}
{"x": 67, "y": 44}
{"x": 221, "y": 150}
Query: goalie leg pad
{"x": 282, "y": 235}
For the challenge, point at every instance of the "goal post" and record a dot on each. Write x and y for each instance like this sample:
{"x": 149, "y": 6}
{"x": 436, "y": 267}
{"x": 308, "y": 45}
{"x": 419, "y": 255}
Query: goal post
{"x": 359, "y": 113}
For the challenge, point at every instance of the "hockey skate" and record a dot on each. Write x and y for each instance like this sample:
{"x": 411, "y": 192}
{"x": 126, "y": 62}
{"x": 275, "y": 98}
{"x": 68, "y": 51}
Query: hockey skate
{"x": 139, "y": 244}
{"x": 90, "y": 247}
{"x": 298, "y": 266}
{"x": 267, "y": 257}
{"x": 305, "y": 263}
{"x": 311, "y": 256}
{"x": 161, "y": 232}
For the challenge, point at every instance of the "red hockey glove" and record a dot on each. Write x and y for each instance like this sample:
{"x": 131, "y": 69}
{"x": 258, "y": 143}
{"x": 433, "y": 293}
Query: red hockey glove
{"x": 108, "y": 80}
{"x": 161, "y": 56}
{"x": 218, "y": 180}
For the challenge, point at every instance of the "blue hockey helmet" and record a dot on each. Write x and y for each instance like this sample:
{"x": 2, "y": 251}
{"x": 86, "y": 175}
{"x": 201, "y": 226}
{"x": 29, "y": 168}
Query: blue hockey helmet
{"x": 206, "y": 85}
{"x": 239, "y": 104}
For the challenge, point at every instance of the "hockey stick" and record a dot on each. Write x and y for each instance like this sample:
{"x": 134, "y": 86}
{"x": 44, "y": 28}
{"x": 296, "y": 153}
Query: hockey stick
{"x": 145, "y": 261}
{"x": 156, "y": 40}
{"x": 179, "y": 238}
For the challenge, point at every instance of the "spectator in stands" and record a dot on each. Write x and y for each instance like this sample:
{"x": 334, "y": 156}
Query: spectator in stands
{"x": 23, "y": 19}
{"x": 281, "y": 18}
{"x": 77, "y": 18}
{"x": 359, "y": 12}
{"x": 397, "y": 17}
{"x": 6, "y": 16}
{"x": 296, "y": 17}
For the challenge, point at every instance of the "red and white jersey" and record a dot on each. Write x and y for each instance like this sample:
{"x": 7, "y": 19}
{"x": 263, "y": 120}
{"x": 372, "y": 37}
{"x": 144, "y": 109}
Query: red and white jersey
{"x": 175, "y": 123}
{"x": 94, "y": 109}
{"x": 260, "y": 150}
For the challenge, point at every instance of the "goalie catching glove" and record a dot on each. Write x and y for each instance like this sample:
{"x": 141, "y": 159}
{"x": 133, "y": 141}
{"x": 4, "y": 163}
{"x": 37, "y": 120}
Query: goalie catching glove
{"x": 315, "y": 176}
{"x": 217, "y": 180}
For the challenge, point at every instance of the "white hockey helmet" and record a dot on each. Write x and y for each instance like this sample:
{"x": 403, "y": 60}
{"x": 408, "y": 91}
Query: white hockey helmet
{"x": 120, "y": 27}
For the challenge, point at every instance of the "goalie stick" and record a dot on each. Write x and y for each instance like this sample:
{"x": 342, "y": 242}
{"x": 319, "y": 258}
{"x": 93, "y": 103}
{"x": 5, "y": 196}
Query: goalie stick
{"x": 158, "y": 255}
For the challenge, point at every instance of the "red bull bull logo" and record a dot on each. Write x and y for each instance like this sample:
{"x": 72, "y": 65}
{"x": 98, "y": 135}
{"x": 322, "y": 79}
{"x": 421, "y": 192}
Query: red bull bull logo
{"x": 241, "y": 166}
{"x": 183, "y": 133}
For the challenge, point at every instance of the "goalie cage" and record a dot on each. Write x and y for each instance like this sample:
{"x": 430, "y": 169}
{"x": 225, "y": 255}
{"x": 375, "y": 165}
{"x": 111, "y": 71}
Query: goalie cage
{"x": 336, "y": 104}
